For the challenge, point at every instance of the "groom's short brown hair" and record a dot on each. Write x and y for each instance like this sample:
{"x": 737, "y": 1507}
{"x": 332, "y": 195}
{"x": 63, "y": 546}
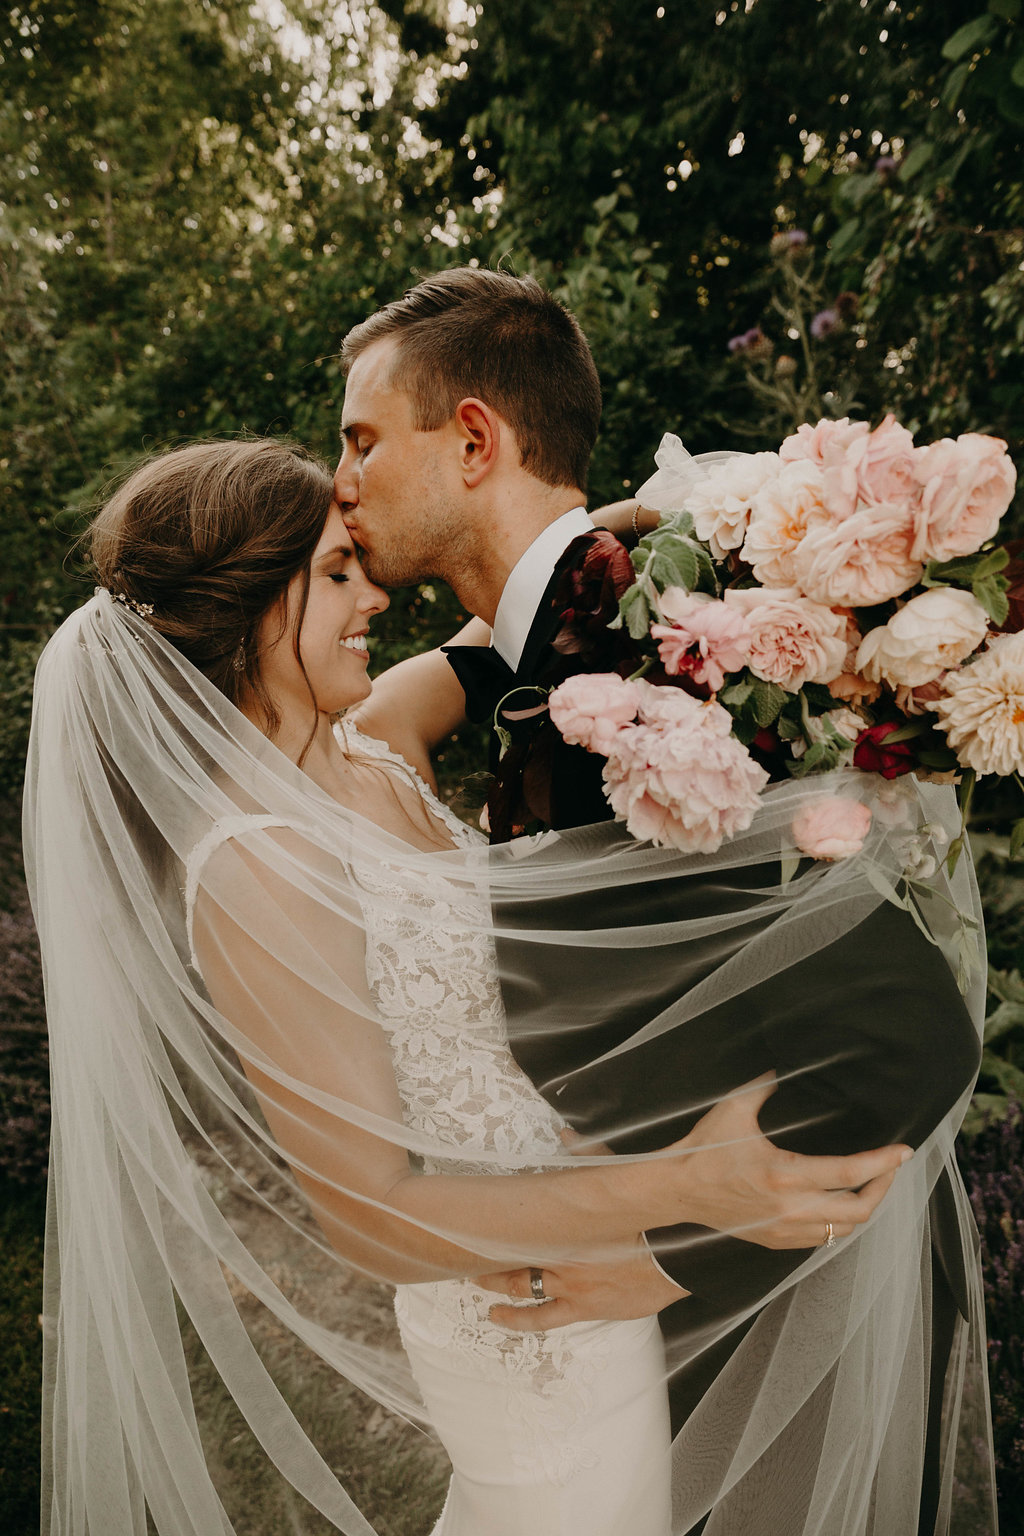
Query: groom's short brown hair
{"x": 504, "y": 339}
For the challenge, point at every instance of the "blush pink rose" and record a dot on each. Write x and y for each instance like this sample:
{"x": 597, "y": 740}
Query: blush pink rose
{"x": 793, "y": 640}
{"x": 877, "y": 469}
{"x": 704, "y": 639}
{"x": 831, "y": 827}
{"x": 591, "y": 709}
{"x": 859, "y": 562}
{"x": 966, "y": 486}
{"x": 823, "y": 443}
{"x": 688, "y": 786}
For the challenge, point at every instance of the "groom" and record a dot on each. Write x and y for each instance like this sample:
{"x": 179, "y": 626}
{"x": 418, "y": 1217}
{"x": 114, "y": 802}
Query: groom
{"x": 471, "y": 409}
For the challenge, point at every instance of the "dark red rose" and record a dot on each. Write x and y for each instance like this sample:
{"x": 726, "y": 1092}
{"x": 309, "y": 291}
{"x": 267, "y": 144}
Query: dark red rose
{"x": 592, "y": 575}
{"x": 1014, "y": 573}
{"x": 874, "y": 754}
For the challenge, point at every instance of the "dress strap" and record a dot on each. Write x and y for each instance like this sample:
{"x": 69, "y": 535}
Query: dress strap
{"x": 220, "y": 832}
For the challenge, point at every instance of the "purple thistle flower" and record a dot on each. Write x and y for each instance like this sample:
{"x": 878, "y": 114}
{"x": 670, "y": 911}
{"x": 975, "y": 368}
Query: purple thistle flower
{"x": 787, "y": 240}
{"x": 754, "y": 341}
{"x": 824, "y": 323}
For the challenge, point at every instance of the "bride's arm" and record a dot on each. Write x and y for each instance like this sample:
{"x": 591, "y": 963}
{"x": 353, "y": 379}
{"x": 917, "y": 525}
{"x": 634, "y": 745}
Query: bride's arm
{"x": 418, "y": 703}
{"x": 322, "y": 1070}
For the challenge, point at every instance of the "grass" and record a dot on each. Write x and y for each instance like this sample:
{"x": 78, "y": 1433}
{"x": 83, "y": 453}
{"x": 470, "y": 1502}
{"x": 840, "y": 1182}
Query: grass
{"x": 393, "y": 1473}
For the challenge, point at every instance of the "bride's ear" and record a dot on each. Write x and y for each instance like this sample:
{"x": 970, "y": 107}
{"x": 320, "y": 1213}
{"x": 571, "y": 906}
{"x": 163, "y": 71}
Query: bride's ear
{"x": 479, "y": 430}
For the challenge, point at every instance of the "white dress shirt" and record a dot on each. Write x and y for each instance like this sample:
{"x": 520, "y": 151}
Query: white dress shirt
{"x": 522, "y": 592}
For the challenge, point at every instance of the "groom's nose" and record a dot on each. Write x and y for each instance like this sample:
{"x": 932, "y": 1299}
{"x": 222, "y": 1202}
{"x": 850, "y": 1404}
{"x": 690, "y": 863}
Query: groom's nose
{"x": 346, "y": 486}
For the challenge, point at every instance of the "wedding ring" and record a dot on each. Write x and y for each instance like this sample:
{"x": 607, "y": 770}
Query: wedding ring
{"x": 830, "y": 1236}
{"x": 537, "y": 1285}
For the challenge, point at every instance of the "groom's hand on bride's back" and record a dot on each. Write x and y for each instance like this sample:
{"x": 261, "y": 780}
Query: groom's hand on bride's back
{"x": 744, "y": 1184}
{"x": 739, "y": 1182}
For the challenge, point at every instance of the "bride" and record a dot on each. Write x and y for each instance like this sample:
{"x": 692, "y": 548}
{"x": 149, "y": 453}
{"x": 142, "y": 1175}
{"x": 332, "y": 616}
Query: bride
{"x": 269, "y": 963}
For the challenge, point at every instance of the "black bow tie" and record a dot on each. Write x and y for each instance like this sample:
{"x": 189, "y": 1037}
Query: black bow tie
{"x": 485, "y": 676}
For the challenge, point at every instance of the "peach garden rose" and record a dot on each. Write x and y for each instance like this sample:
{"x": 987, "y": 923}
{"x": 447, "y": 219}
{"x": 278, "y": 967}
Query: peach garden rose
{"x": 982, "y": 712}
{"x": 931, "y": 634}
{"x": 860, "y": 562}
{"x": 966, "y": 486}
{"x": 793, "y": 640}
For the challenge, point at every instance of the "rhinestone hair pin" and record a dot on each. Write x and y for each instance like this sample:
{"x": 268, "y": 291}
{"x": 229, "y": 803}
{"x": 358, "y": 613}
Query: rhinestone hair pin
{"x": 144, "y": 610}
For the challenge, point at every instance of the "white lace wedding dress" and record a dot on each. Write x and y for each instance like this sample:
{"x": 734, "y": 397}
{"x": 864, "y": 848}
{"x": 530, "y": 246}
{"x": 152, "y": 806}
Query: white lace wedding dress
{"x": 563, "y": 1433}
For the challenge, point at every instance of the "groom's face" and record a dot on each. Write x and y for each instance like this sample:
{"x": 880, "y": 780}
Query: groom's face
{"x": 395, "y": 484}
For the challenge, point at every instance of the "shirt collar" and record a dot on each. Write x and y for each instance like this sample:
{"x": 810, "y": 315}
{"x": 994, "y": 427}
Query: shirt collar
{"x": 521, "y": 594}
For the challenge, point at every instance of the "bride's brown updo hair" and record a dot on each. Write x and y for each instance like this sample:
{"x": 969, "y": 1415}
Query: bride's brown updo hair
{"x": 210, "y": 536}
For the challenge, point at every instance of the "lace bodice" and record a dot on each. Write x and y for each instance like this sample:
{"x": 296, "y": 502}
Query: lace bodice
{"x": 436, "y": 991}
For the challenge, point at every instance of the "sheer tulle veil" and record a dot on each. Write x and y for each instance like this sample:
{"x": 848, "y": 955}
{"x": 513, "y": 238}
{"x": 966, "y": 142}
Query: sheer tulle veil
{"x": 170, "y": 843}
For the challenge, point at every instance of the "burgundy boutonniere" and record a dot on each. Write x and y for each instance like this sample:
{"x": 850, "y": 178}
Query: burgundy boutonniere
{"x": 587, "y": 600}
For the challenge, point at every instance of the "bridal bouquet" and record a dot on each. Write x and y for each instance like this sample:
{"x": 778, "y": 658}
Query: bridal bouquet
{"x": 840, "y": 602}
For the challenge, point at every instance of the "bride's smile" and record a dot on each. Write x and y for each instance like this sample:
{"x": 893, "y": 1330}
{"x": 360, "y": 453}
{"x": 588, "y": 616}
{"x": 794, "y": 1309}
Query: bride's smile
{"x": 313, "y": 644}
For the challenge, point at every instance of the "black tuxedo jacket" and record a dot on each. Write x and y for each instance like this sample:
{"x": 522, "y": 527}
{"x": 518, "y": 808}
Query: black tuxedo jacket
{"x": 876, "y": 1016}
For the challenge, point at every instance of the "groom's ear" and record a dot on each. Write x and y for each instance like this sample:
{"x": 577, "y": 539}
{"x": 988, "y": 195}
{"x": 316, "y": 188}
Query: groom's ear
{"x": 479, "y": 431}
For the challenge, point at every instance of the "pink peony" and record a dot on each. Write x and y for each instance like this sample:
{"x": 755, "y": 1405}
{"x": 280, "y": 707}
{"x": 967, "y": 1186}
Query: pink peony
{"x": 860, "y": 562}
{"x": 966, "y": 486}
{"x": 824, "y": 443}
{"x": 591, "y": 709}
{"x": 660, "y": 705}
{"x": 792, "y": 639}
{"x": 879, "y": 469}
{"x": 831, "y": 827}
{"x": 704, "y": 640}
{"x": 688, "y": 786}
{"x": 780, "y": 515}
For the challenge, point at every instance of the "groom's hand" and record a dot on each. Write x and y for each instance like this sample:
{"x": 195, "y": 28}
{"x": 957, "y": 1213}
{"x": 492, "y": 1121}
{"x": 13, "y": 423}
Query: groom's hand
{"x": 582, "y": 1293}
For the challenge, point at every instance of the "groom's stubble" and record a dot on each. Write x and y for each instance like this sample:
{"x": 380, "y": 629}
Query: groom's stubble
{"x": 428, "y": 542}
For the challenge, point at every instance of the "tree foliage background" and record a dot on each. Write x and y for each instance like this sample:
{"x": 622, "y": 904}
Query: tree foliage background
{"x": 197, "y": 200}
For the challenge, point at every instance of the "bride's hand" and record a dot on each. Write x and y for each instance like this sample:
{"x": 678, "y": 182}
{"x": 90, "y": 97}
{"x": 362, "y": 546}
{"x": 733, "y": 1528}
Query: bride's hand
{"x": 729, "y": 1176}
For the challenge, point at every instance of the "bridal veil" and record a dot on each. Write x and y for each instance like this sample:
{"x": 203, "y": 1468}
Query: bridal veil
{"x": 168, "y": 843}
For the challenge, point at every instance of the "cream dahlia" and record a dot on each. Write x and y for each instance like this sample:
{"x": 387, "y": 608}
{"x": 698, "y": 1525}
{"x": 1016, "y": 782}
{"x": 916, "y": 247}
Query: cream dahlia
{"x": 982, "y": 712}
